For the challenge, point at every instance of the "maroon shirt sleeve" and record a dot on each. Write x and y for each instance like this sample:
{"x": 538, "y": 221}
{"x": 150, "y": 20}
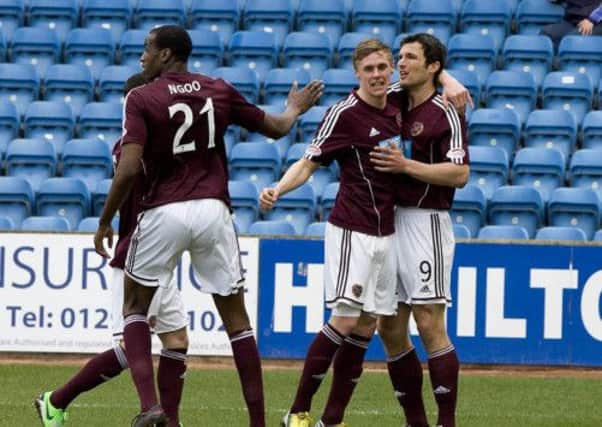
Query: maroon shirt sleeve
{"x": 243, "y": 112}
{"x": 134, "y": 126}
{"x": 330, "y": 137}
{"x": 454, "y": 144}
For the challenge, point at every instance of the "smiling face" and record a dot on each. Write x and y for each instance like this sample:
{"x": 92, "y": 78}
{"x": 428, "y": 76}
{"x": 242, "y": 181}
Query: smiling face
{"x": 374, "y": 74}
{"x": 413, "y": 70}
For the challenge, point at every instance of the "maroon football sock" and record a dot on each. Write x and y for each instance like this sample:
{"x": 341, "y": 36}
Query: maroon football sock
{"x": 347, "y": 369}
{"x": 443, "y": 369}
{"x": 137, "y": 338}
{"x": 99, "y": 369}
{"x": 405, "y": 372}
{"x": 248, "y": 364}
{"x": 317, "y": 361}
{"x": 170, "y": 379}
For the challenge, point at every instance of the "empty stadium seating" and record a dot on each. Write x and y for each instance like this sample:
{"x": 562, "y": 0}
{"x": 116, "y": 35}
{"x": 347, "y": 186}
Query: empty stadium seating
{"x": 327, "y": 17}
{"x": 541, "y": 168}
{"x": 585, "y": 170}
{"x": 575, "y": 207}
{"x": 45, "y": 223}
{"x": 111, "y": 15}
{"x": 561, "y": 233}
{"x": 278, "y": 82}
{"x": 309, "y": 51}
{"x": 244, "y": 198}
{"x": 517, "y": 205}
{"x": 515, "y": 232}
{"x": 379, "y": 19}
{"x": 64, "y": 197}
{"x": 258, "y": 162}
{"x": 33, "y": 159}
{"x": 16, "y": 199}
{"x": 49, "y": 120}
{"x": 272, "y": 228}
{"x": 469, "y": 208}
{"x": 36, "y": 46}
{"x": 87, "y": 159}
{"x": 256, "y": 50}
{"x": 489, "y": 168}
{"x": 297, "y": 207}
{"x": 90, "y": 47}
{"x": 70, "y": 83}
{"x": 101, "y": 120}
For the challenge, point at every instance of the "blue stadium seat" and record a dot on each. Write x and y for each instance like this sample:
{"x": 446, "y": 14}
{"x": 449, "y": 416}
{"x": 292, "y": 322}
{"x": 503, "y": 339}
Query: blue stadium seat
{"x": 338, "y": 83}
{"x": 514, "y": 232}
{"x": 258, "y": 162}
{"x": 272, "y": 16}
{"x": 99, "y": 196}
{"x": 488, "y": 168}
{"x": 436, "y": 17}
{"x": 220, "y": 16}
{"x": 64, "y": 197}
{"x": 529, "y": 53}
{"x": 308, "y": 51}
{"x": 572, "y": 92}
{"x": 380, "y": 19}
{"x": 12, "y": 15}
{"x": 541, "y": 168}
{"x": 9, "y": 126}
{"x": 513, "y": 90}
{"x": 347, "y": 44}
{"x": 102, "y": 120}
{"x": 585, "y": 170}
{"x": 20, "y": 84}
{"x": 244, "y": 197}
{"x": 309, "y": 122}
{"x": 36, "y": 46}
{"x": 58, "y": 15}
{"x": 34, "y": 159}
{"x": 282, "y": 143}
{"x": 297, "y": 206}
{"x": 90, "y": 224}
{"x": 255, "y": 50}
{"x": 111, "y": 15}
{"x": 321, "y": 176}
{"x": 272, "y": 228}
{"x": 49, "y": 120}
{"x": 495, "y": 128}
{"x": 87, "y": 159}
{"x": 70, "y": 83}
{"x": 470, "y": 80}
{"x": 131, "y": 47}
{"x": 461, "y": 231}
{"x": 90, "y": 47}
{"x": 592, "y": 130}
{"x": 598, "y": 236}
{"x": 575, "y": 207}
{"x": 583, "y": 55}
{"x": 154, "y": 13}
{"x": 45, "y": 223}
{"x": 329, "y": 196}
{"x": 561, "y": 233}
{"x": 111, "y": 82}
{"x": 243, "y": 79}
{"x": 207, "y": 51}
{"x": 469, "y": 208}
{"x": 278, "y": 82}
{"x": 316, "y": 229}
{"x": 532, "y": 15}
{"x": 551, "y": 129}
{"x": 517, "y": 205}
{"x": 6, "y": 224}
{"x": 2, "y": 48}
{"x": 473, "y": 53}
{"x": 486, "y": 18}
{"x": 326, "y": 17}
{"x": 16, "y": 198}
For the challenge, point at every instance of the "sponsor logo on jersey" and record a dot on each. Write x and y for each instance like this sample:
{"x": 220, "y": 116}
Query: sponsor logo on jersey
{"x": 386, "y": 142}
{"x": 456, "y": 154}
{"x": 374, "y": 132}
{"x": 425, "y": 290}
{"x": 416, "y": 129}
{"x": 313, "y": 150}
{"x": 357, "y": 290}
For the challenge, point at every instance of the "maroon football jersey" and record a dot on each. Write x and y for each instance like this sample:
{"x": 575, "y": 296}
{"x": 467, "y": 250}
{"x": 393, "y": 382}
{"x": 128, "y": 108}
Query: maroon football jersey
{"x": 432, "y": 134}
{"x": 128, "y": 215}
{"x": 180, "y": 119}
{"x": 349, "y": 131}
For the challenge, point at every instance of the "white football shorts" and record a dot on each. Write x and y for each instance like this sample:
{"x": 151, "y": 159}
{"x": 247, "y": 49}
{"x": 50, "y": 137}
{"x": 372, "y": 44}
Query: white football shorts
{"x": 424, "y": 244}
{"x": 359, "y": 271}
{"x": 202, "y": 227}
{"x": 166, "y": 307}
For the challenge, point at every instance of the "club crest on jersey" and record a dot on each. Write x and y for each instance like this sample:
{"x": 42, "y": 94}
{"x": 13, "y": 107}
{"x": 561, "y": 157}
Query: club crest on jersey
{"x": 416, "y": 129}
{"x": 357, "y": 290}
{"x": 394, "y": 140}
{"x": 456, "y": 154}
{"x": 313, "y": 150}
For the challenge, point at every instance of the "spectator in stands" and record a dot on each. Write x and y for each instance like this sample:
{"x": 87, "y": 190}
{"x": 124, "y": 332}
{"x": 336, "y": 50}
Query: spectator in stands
{"x": 167, "y": 314}
{"x": 580, "y": 17}
{"x": 436, "y": 164}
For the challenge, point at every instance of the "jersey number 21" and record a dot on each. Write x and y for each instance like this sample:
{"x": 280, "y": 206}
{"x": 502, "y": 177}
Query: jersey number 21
{"x": 178, "y": 146}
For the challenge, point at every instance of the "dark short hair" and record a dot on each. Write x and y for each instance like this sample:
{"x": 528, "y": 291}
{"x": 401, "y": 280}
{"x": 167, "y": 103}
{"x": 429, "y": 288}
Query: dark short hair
{"x": 134, "y": 81}
{"x": 176, "y": 39}
{"x": 434, "y": 50}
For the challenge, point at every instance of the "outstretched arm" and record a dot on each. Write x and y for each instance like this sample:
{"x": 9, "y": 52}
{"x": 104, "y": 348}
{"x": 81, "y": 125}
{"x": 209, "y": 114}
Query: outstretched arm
{"x": 296, "y": 175}
{"x": 298, "y": 102}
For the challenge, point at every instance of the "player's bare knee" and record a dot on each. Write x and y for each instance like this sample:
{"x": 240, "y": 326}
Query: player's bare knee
{"x": 175, "y": 339}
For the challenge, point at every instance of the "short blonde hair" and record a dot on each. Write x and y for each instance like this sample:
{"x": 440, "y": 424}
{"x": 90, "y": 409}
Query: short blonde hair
{"x": 368, "y": 47}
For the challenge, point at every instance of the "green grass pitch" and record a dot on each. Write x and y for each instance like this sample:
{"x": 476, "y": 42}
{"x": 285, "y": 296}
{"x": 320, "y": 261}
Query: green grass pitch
{"x": 212, "y": 398}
